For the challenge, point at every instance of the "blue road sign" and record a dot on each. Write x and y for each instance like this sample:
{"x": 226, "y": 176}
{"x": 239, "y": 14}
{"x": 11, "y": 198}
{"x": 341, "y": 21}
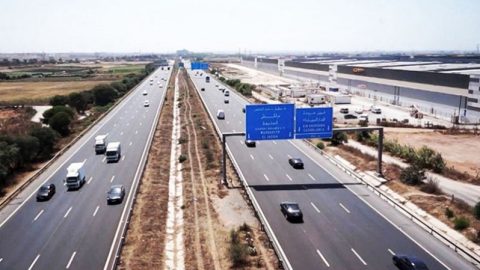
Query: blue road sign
{"x": 269, "y": 121}
{"x": 199, "y": 65}
{"x": 314, "y": 123}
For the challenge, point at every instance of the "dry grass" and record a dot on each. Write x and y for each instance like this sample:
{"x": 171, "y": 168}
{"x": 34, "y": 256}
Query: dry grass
{"x": 41, "y": 91}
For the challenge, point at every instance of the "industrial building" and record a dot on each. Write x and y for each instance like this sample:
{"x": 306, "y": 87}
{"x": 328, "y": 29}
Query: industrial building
{"x": 447, "y": 90}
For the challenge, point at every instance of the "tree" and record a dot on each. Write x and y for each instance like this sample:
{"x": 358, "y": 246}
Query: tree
{"x": 339, "y": 138}
{"x": 412, "y": 175}
{"x": 104, "y": 94}
{"x": 476, "y": 210}
{"x": 28, "y": 148}
{"x": 120, "y": 87}
{"x": 47, "y": 138}
{"x": 4, "y": 76}
{"x": 60, "y": 122}
{"x": 56, "y": 109}
{"x": 77, "y": 101}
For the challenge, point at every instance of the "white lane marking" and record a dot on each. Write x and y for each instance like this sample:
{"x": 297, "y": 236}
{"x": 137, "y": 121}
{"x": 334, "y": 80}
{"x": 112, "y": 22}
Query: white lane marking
{"x": 121, "y": 133}
{"x": 128, "y": 124}
{"x": 136, "y": 131}
{"x": 289, "y": 178}
{"x": 89, "y": 180}
{"x": 68, "y": 212}
{"x": 228, "y": 122}
{"x": 241, "y": 142}
{"x": 96, "y": 210}
{"x": 344, "y": 208}
{"x": 38, "y": 215}
{"x": 251, "y": 156}
{"x": 130, "y": 144}
{"x": 1, "y": 259}
{"x": 391, "y": 252}
{"x": 266, "y": 177}
{"x": 323, "y": 258}
{"x": 289, "y": 156}
{"x": 34, "y": 261}
{"x": 315, "y": 207}
{"x": 111, "y": 179}
{"x": 358, "y": 256}
{"x": 375, "y": 209}
{"x": 313, "y": 178}
{"x": 240, "y": 122}
{"x": 123, "y": 157}
{"x": 104, "y": 158}
{"x": 71, "y": 259}
{"x": 270, "y": 156}
{"x": 115, "y": 124}
{"x": 140, "y": 123}
{"x": 85, "y": 160}
{"x": 274, "y": 142}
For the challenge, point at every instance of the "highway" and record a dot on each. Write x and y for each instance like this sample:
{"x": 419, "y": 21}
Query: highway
{"x": 77, "y": 229}
{"x": 345, "y": 225}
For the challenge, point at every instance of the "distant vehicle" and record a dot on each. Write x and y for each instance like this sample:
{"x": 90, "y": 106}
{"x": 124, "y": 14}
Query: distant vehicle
{"x": 291, "y": 211}
{"x": 226, "y": 101}
{"x": 227, "y": 93}
{"x": 168, "y": 68}
{"x": 203, "y": 89}
{"x": 220, "y": 114}
{"x": 363, "y": 118}
{"x": 296, "y": 163}
{"x": 404, "y": 262}
{"x": 100, "y": 144}
{"x": 315, "y": 99}
{"x": 216, "y": 85}
{"x": 250, "y": 143}
{"x": 160, "y": 86}
{"x": 114, "y": 151}
{"x": 358, "y": 110}
{"x": 243, "y": 109}
{"x": 207, "y": 79}
{"x": 350, "y": 116}
{"x": 145, "y": 92}
{"x": 45, "y": 192}
{"x": 115, "y": 194}
{"x": 344, "y": 110}
{"x": 75, "y": 176}
{"x": 146, "y": 103}
{"x": 376, "y": 110}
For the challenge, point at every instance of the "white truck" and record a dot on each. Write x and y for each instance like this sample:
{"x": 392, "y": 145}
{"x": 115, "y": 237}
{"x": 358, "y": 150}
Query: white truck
{"x": 113, "y": 152}
{"x": 100, "y": 144}
{"x": 316, "y": 99}
{"x": 75, "y": 176}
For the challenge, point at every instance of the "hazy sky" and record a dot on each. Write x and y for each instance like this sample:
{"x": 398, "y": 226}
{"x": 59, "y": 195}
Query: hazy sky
{"x": 230, "y": 25}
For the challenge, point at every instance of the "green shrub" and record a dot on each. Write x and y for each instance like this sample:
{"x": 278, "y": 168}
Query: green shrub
{"x": 58, "y": 100}
{"x": 476, "y": 210}
{"x": 431, "y": 187}
{"x": 412, "y": 175}
{"x": 60, "y": 122}
{"x": 461, "y": 223}
{"x": 182, "y": 158}
{"x": 339, "y": 138}
{"x": 57, "y": 109}
{"x": 182, "y": 140}
{"x": 449, "y": 213}
{"x": 321, "y": 145}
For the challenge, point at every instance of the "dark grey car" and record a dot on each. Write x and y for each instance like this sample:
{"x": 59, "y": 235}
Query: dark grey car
{"x": 115, "y": 194}
{"x": 45, "y": 192}
{"x": 291, "y": 211}
{"x": 404, "y": 262}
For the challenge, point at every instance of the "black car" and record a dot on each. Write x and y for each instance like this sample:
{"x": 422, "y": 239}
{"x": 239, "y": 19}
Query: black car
{"x": 243, "y": 109}
{"x": 296, "y": 163}
{"x": 203, "y": 89}
{"x": 45, "y": 192}
{"x": 250, "y": 143}
{"x": 404, "y": 262}
{"x": 344, "y": 110}
{"x": 226, "y": 101}
{"x": 350, "y": 116}
{"x": 115, "y": 194}
{"x": 291, "y": 211}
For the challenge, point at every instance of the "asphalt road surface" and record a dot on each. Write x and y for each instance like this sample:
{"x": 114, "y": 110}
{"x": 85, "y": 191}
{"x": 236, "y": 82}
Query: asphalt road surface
{"x": 345, "y": 225}
{"x": 77, "y": 229}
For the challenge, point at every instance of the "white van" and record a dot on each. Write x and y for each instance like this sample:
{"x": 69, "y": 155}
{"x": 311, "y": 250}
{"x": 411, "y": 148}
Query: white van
{"x": 220, "y": 114}
{"x": 113, "y": 152}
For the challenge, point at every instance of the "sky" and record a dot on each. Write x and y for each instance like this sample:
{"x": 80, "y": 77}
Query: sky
{"x": 252, "y": 26}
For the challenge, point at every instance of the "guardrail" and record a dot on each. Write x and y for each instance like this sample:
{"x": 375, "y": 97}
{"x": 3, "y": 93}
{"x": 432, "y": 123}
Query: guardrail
{"x": 118, "y": 252}
{"x": 62, "y": 151}
{"x": 465, "y": 252}
{"x": 263, "y": 221}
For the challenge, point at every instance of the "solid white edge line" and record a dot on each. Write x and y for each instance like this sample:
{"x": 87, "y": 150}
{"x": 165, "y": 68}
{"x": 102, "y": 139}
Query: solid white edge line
{"x": 96, "y": 210}
{"x": 68, "y": 212}
{"x": 33, "y": 263}
{"x": 358, "y": 256}
{"x": 344, "y": 208}
{"x": 71, "y": 259}
{"x": 38, "y": 215}
{"x": 323, "y": 258}
{"x": 315, "y": 207}
{"x": 374, "y": 209}
{"x": 135, "y": 179}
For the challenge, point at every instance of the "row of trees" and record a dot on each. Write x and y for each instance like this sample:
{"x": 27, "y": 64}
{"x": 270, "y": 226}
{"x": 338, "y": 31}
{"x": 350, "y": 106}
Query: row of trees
{"x": 244, "y": 88}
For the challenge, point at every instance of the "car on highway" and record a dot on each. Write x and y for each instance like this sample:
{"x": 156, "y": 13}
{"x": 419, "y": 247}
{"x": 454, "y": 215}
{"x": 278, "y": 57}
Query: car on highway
{"x": 226, "y": 101}
{"x": 250, "y": 143}
{"x": 220, "y": 114}
{"x": 227, "y": 93}
{"x": 145, "y": 92}
{"x": 358, "y": 110}
{"x": 216, "y": 85}
{"x": 350, "y": 116}
{"x": 405, "y": 262}
{"x": 296, "y": 163}
{"x": 243, "y": 109}
{"x": 146, "y": 103}
{"x": 45, "y": 192}
{"x": 161, "y": 86}
{"x": 363, "y": 117}
{"x": 344, "y": 110}
{"x": 203, "y": 89}
{"x": 376, "y": 110}
{"x": 115, "y": 194}
{"x": 291, "y": 211}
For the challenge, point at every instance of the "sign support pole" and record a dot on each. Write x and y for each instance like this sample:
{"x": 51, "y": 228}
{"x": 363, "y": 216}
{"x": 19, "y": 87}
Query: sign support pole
{"x": 224, "y": 154}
